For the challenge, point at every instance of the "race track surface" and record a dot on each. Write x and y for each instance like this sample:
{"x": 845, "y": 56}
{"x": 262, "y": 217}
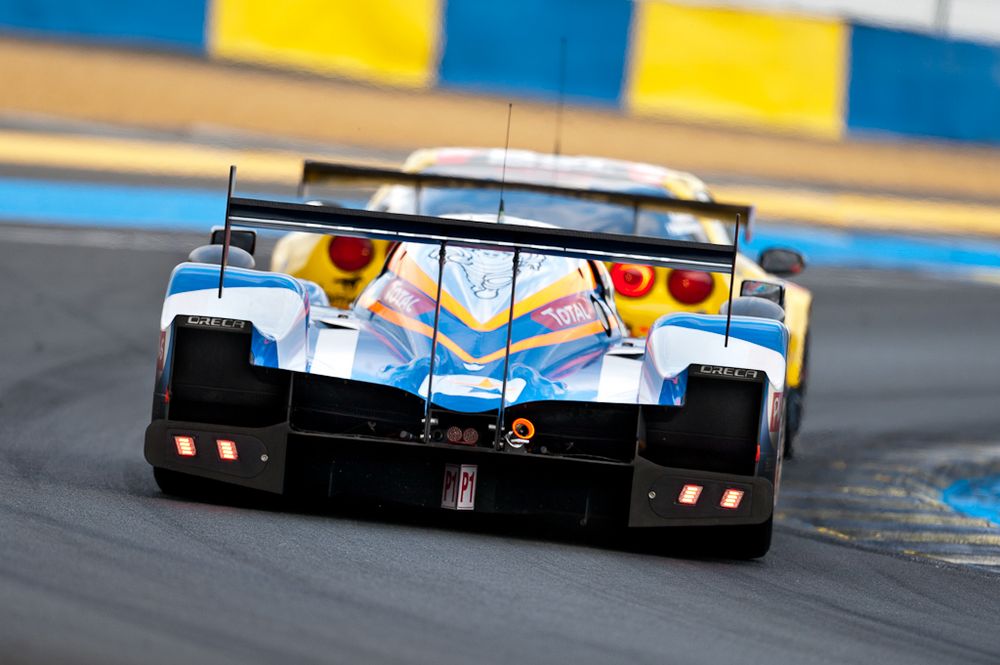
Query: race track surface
{"x": 97, "y": 566}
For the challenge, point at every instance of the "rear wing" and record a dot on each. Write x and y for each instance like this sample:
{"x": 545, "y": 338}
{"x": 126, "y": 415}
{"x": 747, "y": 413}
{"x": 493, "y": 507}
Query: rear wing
{"x": 350, "y": 175}
{"x": 445, "y": 232}
{"x": 263, "y": 214}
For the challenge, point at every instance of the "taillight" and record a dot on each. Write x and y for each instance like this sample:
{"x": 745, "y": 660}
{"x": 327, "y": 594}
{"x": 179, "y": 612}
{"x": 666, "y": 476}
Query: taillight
{"x": 731, "y": 499}
{"x": 227, "y": 450}
{"x": 690, "y": 287}
{"x": 350, "y": 254}
{"x": 185, "y": 446}
{"x": 689, "y": 494}
{"x": 631, "y": 279}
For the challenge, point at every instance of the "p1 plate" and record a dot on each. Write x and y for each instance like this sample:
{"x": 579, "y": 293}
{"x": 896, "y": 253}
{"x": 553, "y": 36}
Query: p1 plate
{"x": 459, "y": 488}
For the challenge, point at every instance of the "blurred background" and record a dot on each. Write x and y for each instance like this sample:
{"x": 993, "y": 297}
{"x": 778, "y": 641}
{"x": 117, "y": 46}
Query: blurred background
{"x": 839, "y": 119}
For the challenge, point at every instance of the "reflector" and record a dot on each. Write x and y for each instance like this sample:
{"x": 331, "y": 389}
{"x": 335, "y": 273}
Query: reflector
{"x": 689, "y": 494}
{"x": 227, "y": 450}
{"x": 470, "y": 435}
{"x": 454, "y": 434}
{"x": 185, "y": 446}
{"x": 731, "y": 499}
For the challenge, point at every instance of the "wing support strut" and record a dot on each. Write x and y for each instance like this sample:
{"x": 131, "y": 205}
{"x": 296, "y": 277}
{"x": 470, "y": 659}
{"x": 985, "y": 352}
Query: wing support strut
{"x": 229, "y": 228}
{"x": 434, "y": 340}
{"x": 515, "y": 264}
{"x": 732, "y": 279}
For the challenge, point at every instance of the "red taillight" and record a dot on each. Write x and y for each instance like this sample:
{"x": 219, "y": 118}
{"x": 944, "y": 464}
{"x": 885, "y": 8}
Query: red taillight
{"x": 350, "y": 254}
{"x": 689, "y": 286}
{"x": 470, "y": 436}
{"x": 689, "y": 494}
{"x": 454, "y": 434}
{"x": 227, "y": 450}
{"x": 185, "y": 446}
{"x": 731, "y": 499}
{"x": 631, "y": 279}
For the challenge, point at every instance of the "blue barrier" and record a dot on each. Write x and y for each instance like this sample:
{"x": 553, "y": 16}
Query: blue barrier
{"x": 178, "y": 24}
{"x": 513, "y": 47}
{"x": 919, "y": 85}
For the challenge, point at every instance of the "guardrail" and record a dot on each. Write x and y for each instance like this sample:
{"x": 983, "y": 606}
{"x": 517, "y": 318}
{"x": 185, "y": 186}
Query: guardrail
{"x": 820, "y": 76}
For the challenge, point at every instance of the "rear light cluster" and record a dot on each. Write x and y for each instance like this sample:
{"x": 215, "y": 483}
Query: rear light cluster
{"x": 690, "y": 494}
{"x": 632, "y": 280}
{"x": 226, "y": 448}
{"x": 688, "y": 287}
{"x": 185, "y": 446}
{"x": 350, "y": 254}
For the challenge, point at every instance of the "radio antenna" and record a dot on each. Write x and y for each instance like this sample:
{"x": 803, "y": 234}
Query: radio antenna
{"x": 503, "y": 171}
{"x": 560, "y": 100}
{"x": 732, "y": 278}
{"x": 227, "y": 237}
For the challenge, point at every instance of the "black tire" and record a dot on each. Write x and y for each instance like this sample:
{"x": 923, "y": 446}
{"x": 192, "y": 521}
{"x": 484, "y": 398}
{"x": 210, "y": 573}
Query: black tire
{"x": 793, "y": 420}
{"x": 795, "y": 399}
{"x": 751, "y": 541}
{"x": 186, "y": 486}
{"x": 176, "y": 484}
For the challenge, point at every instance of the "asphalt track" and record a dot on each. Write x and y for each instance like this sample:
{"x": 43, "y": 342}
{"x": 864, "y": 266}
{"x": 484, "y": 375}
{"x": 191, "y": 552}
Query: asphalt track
{"x": 97, "y": 566}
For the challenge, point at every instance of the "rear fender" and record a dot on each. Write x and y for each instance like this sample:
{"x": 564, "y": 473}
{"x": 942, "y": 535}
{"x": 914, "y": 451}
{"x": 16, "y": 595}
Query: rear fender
{"x": 276, "y": 306}
{"x": 678, "y": 341}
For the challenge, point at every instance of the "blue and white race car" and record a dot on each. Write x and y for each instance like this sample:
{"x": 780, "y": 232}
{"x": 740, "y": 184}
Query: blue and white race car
{"x": 485, "y": 369}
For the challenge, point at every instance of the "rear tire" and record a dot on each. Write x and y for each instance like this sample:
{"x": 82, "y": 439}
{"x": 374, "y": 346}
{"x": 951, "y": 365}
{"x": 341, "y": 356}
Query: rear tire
{"x": 795, "y": 399}
{"x": 173, "y": 483}
{"x": 793, "y": 420}
{"x": 751, "y": 541}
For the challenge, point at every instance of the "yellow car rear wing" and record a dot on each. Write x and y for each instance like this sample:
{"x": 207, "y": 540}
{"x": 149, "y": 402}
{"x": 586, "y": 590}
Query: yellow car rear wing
{"x": 331, "y": 174}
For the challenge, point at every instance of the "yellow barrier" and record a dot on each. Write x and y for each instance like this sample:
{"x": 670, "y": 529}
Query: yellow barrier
{"x": 383, "y": 41}
{"x": 740, "y": 67}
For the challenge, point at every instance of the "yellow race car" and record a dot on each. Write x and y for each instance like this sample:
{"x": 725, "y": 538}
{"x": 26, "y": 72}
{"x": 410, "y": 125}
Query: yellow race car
{"x": 342, "y": 265}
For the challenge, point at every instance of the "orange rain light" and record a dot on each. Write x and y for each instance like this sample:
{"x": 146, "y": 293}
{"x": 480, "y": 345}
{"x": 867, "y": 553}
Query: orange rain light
{"x": 523, "y": 428}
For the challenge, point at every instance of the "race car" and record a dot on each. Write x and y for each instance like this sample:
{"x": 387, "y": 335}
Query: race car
{"x": 485, "y": 369}
{"x": 344, "y": 265}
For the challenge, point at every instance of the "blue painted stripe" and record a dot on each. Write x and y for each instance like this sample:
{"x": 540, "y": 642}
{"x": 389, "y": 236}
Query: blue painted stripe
{"x": 199, "y": 277}
{"x": 976, "y": 497}
{"x": 862, "y": 249}
{"x": 179, "y": 24}
{"x": 513, "y": 47}
{"x": 113, "y": 205}
{"x": 762, "y": 332}
{"x": 198, "y": 209}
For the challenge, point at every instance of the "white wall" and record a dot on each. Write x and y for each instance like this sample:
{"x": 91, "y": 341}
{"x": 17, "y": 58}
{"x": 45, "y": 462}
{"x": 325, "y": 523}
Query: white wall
{"x": 971, "y": 19}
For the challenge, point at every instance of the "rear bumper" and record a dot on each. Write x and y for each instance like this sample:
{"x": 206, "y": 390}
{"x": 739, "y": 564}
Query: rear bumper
{"x": 637, "y": 494}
